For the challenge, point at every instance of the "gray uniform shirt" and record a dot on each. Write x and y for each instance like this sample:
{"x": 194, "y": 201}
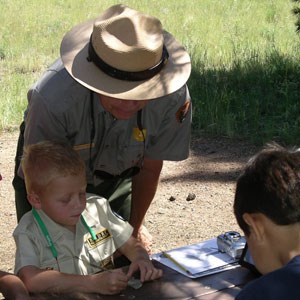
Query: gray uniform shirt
{"x": 59, "y": 108}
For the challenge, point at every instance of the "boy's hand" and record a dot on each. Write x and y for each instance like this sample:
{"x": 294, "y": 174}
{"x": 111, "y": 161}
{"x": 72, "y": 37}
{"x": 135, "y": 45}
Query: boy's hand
{"x": 147, "y": 271}
{"x": 111, "y": 282}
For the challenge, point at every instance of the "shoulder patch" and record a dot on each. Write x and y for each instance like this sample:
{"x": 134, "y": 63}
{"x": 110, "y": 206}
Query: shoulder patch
{"x": 182, "y": 111}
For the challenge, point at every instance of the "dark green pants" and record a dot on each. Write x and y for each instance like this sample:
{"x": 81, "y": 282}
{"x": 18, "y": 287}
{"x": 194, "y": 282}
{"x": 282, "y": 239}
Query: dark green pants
{"x": 118, "y": 193}
{"x": 116, "y": 189}
{"x": 21, "y": 202}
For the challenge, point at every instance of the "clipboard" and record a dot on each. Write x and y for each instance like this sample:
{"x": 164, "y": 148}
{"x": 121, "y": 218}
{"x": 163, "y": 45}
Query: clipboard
{"x": 197, "y": 260}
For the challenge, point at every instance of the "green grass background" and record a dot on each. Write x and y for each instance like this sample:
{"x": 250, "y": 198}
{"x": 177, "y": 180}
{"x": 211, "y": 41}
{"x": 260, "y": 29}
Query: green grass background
{"x": 245, "y": 59}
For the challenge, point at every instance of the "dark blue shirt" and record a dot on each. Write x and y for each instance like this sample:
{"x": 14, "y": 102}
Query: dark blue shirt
{"x": 280, "y": 284}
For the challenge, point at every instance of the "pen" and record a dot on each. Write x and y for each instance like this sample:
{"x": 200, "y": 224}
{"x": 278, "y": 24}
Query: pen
{"x": 165, "y": 254}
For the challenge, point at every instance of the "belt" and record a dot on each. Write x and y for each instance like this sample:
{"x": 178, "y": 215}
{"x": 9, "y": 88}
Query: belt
{"x": 125, "y": 174}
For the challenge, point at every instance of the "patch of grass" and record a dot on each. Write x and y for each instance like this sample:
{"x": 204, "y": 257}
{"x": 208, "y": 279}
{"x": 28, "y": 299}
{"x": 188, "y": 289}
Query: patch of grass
{"x": 245, "y": 59}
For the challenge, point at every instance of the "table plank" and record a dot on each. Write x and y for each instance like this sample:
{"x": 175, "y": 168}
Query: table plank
{"x": 226, "y": 294}
{"x": 174, "y": 285}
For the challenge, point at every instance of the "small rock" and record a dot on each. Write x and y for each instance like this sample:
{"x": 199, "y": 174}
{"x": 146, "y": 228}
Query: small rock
{"x": 172, "y": 198}
{"x": 190, "y": 197}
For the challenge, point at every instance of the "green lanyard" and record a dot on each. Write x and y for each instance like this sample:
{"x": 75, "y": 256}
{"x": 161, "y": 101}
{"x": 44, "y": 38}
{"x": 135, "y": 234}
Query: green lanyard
{"x": 45, "y": 232}
{"x": 48, "y": 237}
{"x": 90, "y": 230}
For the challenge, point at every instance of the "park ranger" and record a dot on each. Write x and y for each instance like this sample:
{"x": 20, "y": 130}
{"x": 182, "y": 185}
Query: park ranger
{"x": 118, "y": 95}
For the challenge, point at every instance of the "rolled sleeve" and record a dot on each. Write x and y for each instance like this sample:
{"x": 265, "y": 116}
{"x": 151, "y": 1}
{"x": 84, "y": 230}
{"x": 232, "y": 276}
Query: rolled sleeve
{"x": 26, "y": 254}
{"x": 171, "y": 138}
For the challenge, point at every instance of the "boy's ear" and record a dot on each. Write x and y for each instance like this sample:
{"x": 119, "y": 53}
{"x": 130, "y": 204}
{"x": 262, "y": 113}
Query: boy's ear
{"x": 34, "y": 200}
{"x": 256, "y": 224}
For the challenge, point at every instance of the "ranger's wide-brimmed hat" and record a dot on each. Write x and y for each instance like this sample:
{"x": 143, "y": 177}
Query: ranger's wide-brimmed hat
{"x": 125, "y": 54}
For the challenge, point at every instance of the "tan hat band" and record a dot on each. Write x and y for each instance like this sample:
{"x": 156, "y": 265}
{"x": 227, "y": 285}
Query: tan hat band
{"x": 124, "y": 75}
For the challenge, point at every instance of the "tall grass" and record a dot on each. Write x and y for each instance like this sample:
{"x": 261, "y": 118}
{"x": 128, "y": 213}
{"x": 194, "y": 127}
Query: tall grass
{"x": 245, "y": 55}
{"x": 247, "y": 83}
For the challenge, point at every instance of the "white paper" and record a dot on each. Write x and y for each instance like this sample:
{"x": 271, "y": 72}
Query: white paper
{"x": 199, "y": 259}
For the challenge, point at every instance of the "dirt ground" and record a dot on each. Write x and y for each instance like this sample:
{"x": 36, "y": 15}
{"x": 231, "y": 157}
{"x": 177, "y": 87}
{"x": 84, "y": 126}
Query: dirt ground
{"x": 193, "y": 201}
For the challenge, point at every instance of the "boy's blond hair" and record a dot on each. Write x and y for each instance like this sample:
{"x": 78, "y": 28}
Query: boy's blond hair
{"x": 44, "y": 161}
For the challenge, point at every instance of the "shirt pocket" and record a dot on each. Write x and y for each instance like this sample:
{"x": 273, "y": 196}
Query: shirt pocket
{"x": 62, "y": 264}
{"x": 132, "y": 154}
{"x": 100, "y": 255}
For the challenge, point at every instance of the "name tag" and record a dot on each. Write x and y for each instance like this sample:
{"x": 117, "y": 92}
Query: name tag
{"x": 101, "y": 236}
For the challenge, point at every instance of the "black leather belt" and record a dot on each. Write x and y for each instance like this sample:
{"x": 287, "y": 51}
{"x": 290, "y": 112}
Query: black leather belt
{"x": 125, "y": 174}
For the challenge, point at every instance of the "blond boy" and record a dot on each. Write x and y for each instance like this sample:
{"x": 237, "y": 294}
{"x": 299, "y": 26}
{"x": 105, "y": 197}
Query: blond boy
{"x": 66, "y": 243}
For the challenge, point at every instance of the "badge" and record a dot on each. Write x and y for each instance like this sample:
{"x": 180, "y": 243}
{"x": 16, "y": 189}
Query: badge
{"x": 139, "y": 135}
{"x": 182, "y": 111}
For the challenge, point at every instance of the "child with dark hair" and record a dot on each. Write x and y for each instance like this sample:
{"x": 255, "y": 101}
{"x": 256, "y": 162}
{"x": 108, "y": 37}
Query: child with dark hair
{"x": 267, "y": 208}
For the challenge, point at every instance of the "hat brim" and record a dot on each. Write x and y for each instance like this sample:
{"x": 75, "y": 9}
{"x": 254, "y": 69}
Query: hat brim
{"x": 74, "y": 53}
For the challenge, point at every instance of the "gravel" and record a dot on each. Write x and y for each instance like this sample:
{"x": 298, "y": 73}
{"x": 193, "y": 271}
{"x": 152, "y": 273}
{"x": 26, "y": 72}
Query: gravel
{"x": 193, "y": 201}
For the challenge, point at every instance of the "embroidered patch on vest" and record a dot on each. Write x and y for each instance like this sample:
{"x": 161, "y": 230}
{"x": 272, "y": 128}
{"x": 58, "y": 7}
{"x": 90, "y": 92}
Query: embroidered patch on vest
{"x": 139, "y": 135}
{"x": 182, "y": 111}
{"x": 101, "y": 237}
{"x": 107, "y": 263}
